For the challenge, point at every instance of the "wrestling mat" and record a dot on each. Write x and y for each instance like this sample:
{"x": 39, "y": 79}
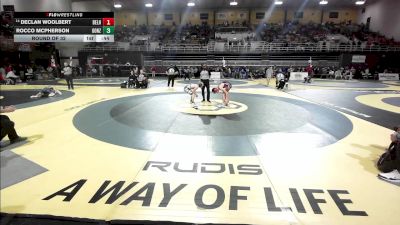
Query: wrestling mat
{"x": 104, "y": 155}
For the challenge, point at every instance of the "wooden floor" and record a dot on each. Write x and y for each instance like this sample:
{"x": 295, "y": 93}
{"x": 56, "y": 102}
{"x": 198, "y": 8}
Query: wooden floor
{"x": 304, "y": 155}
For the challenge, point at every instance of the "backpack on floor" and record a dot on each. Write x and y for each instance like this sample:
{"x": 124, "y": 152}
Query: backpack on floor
{"x": 124, "y": 84}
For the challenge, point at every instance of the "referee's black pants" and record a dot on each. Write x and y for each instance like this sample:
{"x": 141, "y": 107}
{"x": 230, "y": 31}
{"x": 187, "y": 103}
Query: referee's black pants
{"x": 7, "y": 128}
{"x": 206, "y": 84}
{"x": 171, "y": 78}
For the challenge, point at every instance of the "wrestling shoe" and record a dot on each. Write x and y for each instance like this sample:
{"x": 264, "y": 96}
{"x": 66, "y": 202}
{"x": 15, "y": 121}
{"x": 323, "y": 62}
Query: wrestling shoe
{"x": 393, "y": 176}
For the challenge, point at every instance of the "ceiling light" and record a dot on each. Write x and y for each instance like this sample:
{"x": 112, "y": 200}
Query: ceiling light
{"x": 277, "y": 2}
{"x": 323, "y": 2}
{"x": 360, "y": 2}
{"x": 233, "y": 3}
{"x": 191, "y": 4}
{"x": 148, "y": 5}
{"x": 117, "y": 5}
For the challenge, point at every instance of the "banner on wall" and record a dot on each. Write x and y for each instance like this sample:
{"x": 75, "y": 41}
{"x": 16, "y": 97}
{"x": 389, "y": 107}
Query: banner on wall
{"x": 221, "y": 15}
{"x": 389, "y": 76}
{"x": 298, "y": 75}
{"x": 358, "y": 59}
{"x": 24, "y": 47}
{"x": 215, "y": 76}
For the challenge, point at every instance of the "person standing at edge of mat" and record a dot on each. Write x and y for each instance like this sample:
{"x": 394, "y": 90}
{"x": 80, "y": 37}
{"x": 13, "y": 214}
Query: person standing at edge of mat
{"x": 67, "y": 71}
{"x": 153, "y": 71}
{"x": 7, "y": 126}
{"x": 269, "y": 72}
{"x": 205, "y": 79}
{"x": 171, "y": 72}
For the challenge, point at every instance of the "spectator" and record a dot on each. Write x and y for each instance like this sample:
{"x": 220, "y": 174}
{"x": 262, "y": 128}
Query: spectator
{"x": 393, "y": 159}
{"x": 29, "y": 73}
{"x": 141, "y": 81}
{"x": 12, "y": 78}
{"x": 153, "y": 71}
{"x": 132, "y": 78}
{"x": 7, "y": 126}
{"x": 186, "y": 73}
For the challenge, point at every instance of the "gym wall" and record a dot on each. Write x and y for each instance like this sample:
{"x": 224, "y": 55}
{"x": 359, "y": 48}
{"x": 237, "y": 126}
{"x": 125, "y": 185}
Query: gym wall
{"x": 272, "y": 16}
{"x": 385, "y": 17}
{"x": 158, "y": 18}
{"x": 130, "y": 18}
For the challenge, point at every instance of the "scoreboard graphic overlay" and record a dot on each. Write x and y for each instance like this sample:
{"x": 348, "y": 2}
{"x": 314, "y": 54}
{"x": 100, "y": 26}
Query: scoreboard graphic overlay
{"x": 64, "y": 27}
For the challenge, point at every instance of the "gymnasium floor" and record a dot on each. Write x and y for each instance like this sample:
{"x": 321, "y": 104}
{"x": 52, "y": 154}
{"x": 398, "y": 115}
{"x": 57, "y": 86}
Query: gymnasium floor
{"x": 102, "y": 154}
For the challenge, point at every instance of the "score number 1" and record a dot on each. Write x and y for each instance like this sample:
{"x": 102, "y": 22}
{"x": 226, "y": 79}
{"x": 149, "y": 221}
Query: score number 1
{"x": 108, "y": 21}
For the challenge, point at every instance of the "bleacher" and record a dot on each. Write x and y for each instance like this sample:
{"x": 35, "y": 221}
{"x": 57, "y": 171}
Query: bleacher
{"x": 290, "y": 37}
{"x": 255, "y": 47}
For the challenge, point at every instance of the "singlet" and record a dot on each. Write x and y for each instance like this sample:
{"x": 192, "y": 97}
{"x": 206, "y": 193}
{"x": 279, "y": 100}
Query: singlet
{"x": 47, "y": 91}
{"x": 227, "y": 86}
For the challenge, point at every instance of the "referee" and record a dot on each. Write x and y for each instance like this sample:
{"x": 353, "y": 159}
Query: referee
{"x": 205, "y": 79}
{"x": 172, "y": 72}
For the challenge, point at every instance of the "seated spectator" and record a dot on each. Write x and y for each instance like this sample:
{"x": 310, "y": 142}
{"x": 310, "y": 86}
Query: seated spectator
{"x": 389, "y": 162}
{"x": 331, "y": 73}
{"x": 141, "y": 81}
{"x": 29, "y": 73}
{"x": 348, "y": 75}
{"x": 2, "y": 79}
{"x": 279, "y": 77}
{"x": 12, "y": 78}
{"x": 365, "y": 74}
{"x": 132, "y": 79}
{"x": 94, "y": 71}
{"x": 7, "y": 126}
{"x": 338, "y": 74}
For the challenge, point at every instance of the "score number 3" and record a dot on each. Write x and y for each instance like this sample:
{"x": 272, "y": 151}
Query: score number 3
{"x": 108, "y": 30}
